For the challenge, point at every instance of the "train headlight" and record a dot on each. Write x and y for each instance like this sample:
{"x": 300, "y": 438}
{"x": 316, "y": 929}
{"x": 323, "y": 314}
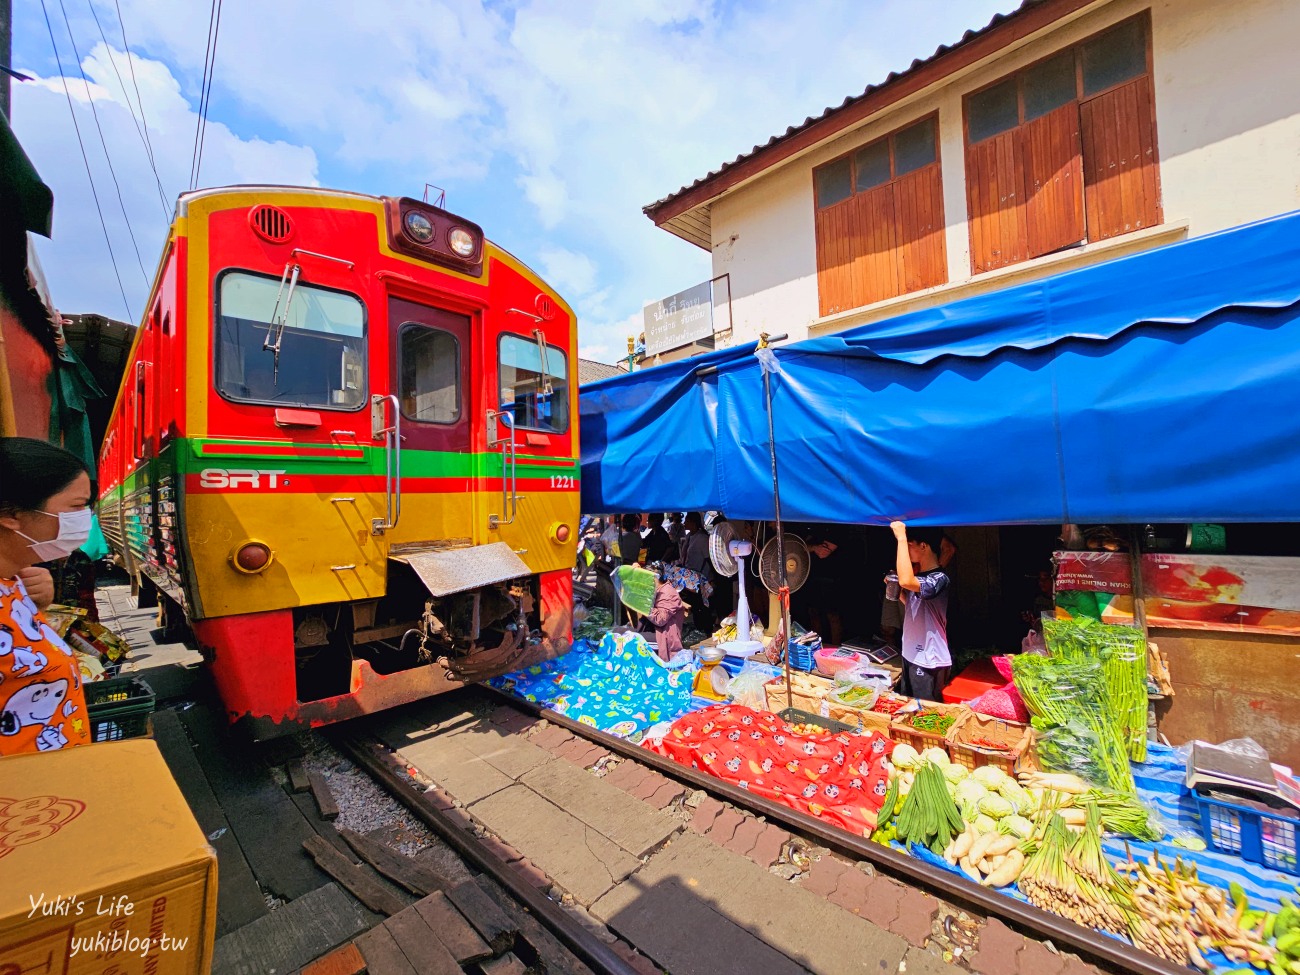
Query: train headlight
{"x": 461, "y": 241}
{"x": 560, "y": 533}
{"x": 251, "y": 557}
{"x": 418, "y": 226}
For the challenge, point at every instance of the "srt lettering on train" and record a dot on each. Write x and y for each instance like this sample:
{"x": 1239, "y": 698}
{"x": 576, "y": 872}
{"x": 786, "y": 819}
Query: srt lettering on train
{"x": 214, "y": 478}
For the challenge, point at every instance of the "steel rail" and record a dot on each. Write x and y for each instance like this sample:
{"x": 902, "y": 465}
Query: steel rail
{"x": 1087, "y": 942}
{"x": 370, "y": 755}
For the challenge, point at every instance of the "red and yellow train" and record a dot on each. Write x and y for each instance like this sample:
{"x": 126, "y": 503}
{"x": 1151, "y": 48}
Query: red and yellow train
{"x": 346, "y": 449}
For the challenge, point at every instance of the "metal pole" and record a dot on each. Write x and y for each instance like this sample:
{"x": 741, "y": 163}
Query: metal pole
{"x": 784, "y": 593}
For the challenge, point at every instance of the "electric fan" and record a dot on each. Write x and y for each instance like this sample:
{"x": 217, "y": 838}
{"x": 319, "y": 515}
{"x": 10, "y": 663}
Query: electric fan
{"x": 798, "y": 563}
{"x": 719, "y": 540}
{"x": 742, "y": 646}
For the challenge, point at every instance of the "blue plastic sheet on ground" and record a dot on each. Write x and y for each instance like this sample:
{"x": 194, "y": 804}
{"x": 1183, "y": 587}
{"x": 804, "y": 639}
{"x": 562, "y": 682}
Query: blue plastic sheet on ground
{"x": 1159, "y": 387}
{"x": 1160, "y": 784}
{"x": 621, "y": 687}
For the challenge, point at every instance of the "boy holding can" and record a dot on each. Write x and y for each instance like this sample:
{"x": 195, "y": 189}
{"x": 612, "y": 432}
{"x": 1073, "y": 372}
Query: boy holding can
{"x": 925, "y": 611}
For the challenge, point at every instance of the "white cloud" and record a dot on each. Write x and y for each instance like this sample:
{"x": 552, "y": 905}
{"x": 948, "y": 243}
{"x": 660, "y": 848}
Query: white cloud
{"x": 557, "y": 120}
{"x": 549, "y": 195}
{"x": 569, "y": 271}
{"x": 607, "y": 341}
{"x": 76, "y": 260}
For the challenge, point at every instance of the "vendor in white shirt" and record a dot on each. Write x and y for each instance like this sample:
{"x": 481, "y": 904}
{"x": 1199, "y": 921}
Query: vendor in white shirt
{"x": 924, "y": 593}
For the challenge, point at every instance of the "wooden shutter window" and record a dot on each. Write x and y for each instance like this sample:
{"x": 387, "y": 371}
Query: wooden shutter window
{"x": 887, "y": 237}
{"x": 995, "y": 199}
{"x": 1064, "y": 151}
{"x": 922, "y": 250}
{"x": 1052, "y": 167}
{"x": 1119, "y": 149}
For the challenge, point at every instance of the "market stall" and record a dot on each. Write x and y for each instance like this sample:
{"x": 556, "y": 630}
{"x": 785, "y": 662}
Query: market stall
{"x": 1115, "y": 395}
{"x": 1074, "y": 811}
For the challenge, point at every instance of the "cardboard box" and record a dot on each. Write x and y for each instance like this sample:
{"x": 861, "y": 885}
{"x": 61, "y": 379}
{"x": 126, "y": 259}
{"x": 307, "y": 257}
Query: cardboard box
{"x": 102, "y": 860}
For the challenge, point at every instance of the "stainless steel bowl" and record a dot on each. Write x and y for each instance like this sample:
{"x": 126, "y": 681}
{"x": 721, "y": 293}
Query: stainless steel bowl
{"x": 710, "y": 655}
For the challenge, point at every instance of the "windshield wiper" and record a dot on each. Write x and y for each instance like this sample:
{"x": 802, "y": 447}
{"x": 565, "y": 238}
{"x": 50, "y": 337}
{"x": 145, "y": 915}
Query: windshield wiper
{"x": 280, "y": 319}
{"x": 544, "y": 381}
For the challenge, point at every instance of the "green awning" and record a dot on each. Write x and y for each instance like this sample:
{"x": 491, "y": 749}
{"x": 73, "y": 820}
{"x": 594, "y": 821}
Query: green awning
{"x": 26, "y": 203}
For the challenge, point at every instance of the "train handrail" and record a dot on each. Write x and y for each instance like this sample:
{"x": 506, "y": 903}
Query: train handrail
{"x": 509, "y": 467}
{"x": 392, "y": 459}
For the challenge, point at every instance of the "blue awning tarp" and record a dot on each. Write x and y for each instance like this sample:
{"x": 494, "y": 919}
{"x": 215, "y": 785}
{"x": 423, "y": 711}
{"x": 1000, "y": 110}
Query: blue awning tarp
{"x": 1159, "y": 387}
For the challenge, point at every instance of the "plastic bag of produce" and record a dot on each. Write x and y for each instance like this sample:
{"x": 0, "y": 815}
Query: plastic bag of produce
{"x": 1121, "y": 651}
{"x": 1075, "y": 720}
{"x": 747, "y": 688}
{"x": 860, "y": 695}
{"x": 1001, "y": 702}
{"x": 868, "y": 673}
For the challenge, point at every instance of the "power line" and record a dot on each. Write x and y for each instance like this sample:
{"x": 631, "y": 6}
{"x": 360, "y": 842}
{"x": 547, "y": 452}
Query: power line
{"x": 130, "y": 63}
{"x": 205, "y": 92}
{"x": 212, "y": 73}
{"x": 148, "y": 149}
{"x": 104, "y": 143}
{"x": 86, "y": 159}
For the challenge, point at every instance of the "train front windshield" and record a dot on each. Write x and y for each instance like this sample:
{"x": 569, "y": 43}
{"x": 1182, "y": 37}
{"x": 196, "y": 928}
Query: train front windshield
{"x": 322, "y": 344}
{"x": 535, "y": 392}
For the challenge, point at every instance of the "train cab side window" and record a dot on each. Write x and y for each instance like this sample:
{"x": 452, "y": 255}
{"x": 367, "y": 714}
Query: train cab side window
{"x": 430, "y": 374}
{"x": 536, "y": 393}
{"x": 322, "y": 355}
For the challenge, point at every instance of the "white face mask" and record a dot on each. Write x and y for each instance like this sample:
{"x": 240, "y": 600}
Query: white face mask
{"x": 74, "y": 531}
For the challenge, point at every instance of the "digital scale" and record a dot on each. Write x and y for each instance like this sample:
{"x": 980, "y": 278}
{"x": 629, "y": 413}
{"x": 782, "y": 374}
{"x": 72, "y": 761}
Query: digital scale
{"x": 1210, "y": 768}
{"x": 881, "y": 654}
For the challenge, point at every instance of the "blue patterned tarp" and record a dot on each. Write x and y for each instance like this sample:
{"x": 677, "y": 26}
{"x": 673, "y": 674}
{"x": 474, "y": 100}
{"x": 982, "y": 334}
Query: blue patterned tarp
{"x": 621, "y": 687}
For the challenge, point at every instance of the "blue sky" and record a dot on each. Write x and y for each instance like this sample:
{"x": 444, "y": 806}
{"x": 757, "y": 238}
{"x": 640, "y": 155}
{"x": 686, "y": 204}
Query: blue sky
{"x": 548, "y": 123}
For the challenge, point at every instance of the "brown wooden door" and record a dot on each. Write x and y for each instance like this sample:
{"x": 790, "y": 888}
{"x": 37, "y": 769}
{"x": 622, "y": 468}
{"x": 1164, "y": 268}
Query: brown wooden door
{"x": 431, "y": 375}
{"x": 1051, "y": 157}
{"x": 1120, "y": 173}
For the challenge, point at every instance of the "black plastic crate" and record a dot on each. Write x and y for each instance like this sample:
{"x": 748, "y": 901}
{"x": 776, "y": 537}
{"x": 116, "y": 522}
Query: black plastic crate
{"x": 117, "y": 727}
{"x": 116, "y": 693}
{"x": 796, "y": 716}
{"x": 119, "y": 708}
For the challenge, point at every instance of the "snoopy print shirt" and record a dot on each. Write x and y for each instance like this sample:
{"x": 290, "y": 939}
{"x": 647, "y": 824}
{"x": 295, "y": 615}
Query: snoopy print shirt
{"x": 42, "y": 703}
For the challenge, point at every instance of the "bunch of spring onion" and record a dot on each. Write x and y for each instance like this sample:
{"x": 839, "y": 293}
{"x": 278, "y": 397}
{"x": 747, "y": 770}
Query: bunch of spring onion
{"x": 1074, "y": 719}
{"x": 1121, "y": 650}
{"x": 1123, "y": 814}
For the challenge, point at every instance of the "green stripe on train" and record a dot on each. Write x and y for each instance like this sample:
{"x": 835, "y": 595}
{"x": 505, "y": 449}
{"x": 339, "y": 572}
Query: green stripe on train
{"x": 415, "y": 463}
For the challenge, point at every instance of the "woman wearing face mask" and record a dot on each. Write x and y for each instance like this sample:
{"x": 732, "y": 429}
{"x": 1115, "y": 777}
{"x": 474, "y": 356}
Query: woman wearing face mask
{"x": 44, "y": 515}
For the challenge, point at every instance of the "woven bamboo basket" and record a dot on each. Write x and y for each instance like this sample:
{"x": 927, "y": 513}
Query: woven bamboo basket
{"x": 1015, "y": 739}
{"x": 901, "y": 730}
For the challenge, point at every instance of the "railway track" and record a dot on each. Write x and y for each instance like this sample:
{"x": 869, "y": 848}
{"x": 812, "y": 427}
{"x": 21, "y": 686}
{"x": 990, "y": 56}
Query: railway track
{"x": 955, "y": 925}
{"x": 596, "y": 953}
